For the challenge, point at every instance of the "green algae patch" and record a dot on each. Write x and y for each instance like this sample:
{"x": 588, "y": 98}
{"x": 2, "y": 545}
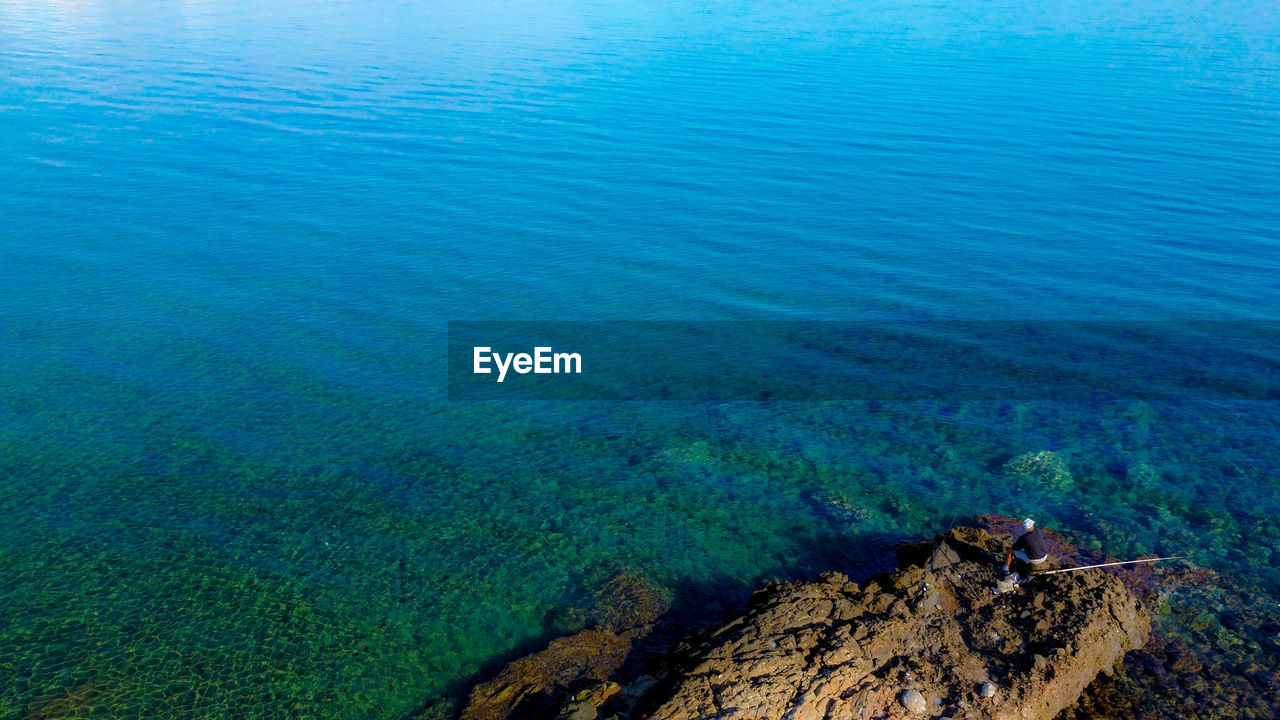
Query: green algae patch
{"x": 1045, "y": 467}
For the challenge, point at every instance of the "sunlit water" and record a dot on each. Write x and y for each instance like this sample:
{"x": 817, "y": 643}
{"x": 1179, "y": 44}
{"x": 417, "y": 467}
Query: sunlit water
{"x": 231, "y": 236}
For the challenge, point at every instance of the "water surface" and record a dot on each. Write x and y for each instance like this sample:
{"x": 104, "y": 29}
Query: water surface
{"x": 232, "y": 234}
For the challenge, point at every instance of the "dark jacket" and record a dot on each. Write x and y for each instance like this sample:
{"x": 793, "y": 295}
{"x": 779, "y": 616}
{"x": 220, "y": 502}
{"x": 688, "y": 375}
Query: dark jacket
{"x": 1034, "y": 544}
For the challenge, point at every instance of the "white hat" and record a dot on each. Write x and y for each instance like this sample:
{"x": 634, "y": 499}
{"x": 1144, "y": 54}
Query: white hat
{"x": 1028, "y": 524}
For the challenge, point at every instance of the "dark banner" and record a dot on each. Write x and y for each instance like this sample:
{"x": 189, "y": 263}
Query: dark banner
{"x": 815, "y": 361}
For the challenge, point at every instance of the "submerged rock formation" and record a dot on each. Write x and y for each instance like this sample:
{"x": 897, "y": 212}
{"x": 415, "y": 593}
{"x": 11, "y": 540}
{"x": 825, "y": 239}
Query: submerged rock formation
{"x": 532, "y": 686}
{"x": 924, "y": 641}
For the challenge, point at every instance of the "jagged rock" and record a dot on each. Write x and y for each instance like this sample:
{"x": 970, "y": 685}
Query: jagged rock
{"x": 535, "y": 685}
{"x": 591, "y": 654}
{"x": 581, "y": 710}
{"x": 813, "y": 650}
{"x": 914, "y": 702}
{"x": 599, "y": 694}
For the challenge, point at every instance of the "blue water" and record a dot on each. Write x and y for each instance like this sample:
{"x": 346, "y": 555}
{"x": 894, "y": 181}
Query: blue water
{"x": 232, "y": 234}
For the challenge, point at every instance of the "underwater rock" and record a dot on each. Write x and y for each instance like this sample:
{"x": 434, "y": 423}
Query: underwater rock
{"x": 627, "y": 601}
{"x": 532, "y": 686}
{"x": 524, "y": 685}
{"x": 72, "y": 703}
{"x": 1180, "y": 675}
{"x": 829, "y": 648}
{"x": 1045, "y": 466}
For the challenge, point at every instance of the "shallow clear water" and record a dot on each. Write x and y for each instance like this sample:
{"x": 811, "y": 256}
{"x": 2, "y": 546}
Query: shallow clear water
{"x": 232, "y": 234}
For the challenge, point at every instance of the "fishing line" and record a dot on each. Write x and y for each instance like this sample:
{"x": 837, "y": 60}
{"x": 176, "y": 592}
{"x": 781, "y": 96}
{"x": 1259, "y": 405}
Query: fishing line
{"x": 1109, "y": 564}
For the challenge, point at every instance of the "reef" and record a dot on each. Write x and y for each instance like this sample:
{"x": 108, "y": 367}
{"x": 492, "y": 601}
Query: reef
{"x": 930, "y": 639}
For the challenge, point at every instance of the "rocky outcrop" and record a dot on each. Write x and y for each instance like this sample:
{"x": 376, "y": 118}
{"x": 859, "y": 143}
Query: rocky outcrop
{"x": 932, "y": 639}
{"x": 523, "y": 685}
{"x": 574, "y": 669}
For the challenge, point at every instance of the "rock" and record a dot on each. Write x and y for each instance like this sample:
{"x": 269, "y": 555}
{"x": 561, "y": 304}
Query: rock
{"x": 599, "y": 694}
{"x": 627, "y": 601}
{"x": 567, "y": 621}
{"x": 1046, "y": 467}
{"x": 639, "y": 687}
{"x": 839, "y": 647}
{"x": 593, "y": 654}
{"x": 578, "y": 711}
{"x": 536, "y": 684}
{"x": 914, "y": 702}
{"x": 835, "y": 649}
{"x": 1007, "y": 584}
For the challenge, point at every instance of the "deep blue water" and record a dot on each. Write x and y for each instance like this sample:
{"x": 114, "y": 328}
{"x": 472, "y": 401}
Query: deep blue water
{"x": 232, "y": 234}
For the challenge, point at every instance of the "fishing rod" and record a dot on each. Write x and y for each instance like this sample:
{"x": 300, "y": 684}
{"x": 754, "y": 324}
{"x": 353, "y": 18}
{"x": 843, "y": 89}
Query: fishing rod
{"x": 1110, "y": 564}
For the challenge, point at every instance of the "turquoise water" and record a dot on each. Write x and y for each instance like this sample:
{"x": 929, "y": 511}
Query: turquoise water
{"x": 232, "y": 236}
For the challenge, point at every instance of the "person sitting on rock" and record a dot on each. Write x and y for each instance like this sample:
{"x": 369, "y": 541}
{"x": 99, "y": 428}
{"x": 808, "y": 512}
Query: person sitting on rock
{"x": 1030, "y": 549}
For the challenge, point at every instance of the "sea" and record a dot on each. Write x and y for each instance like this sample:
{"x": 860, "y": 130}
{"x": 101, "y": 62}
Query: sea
{"x": 240, "y": 242}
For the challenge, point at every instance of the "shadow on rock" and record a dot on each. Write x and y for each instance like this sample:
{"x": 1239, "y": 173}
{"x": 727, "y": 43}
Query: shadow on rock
{"x": 620, "y": 646}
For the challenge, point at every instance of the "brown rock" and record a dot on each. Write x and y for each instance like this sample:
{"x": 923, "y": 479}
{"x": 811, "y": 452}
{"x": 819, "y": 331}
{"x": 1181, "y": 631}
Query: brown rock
{"x": 828, "y": 649}
{"x": 626, "y": 605}
{"x": 598, "y": 694}
{"x": 591, "y": 654}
